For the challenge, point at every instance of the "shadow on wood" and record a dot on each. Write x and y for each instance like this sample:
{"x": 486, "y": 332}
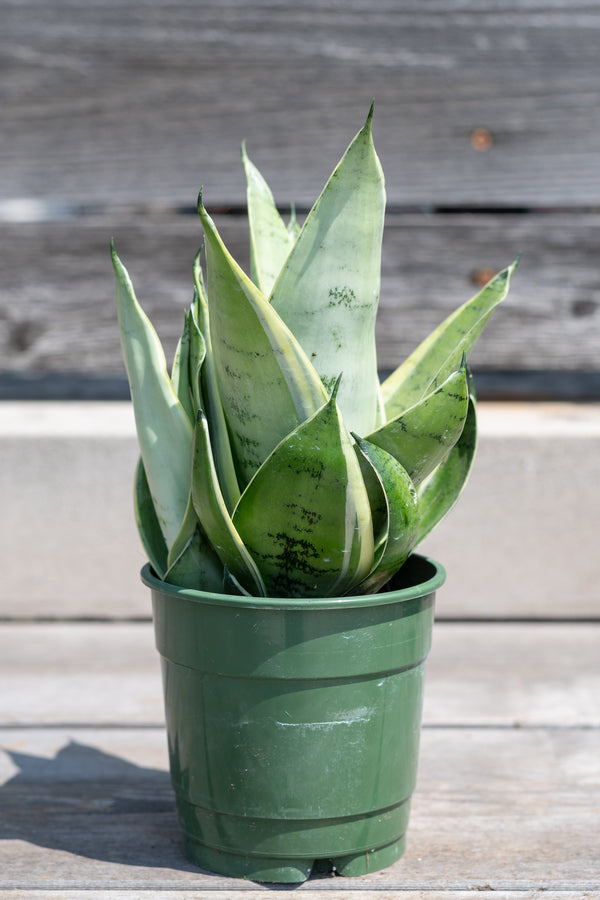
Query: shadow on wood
{"x": 92, "y": 804}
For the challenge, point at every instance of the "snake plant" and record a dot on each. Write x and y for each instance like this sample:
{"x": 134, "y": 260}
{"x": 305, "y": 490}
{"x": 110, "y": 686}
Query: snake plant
{"x": 273, "y": 462}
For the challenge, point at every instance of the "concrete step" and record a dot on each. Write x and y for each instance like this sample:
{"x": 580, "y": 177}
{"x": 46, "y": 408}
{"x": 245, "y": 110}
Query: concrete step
{"x": 521, "y": 542}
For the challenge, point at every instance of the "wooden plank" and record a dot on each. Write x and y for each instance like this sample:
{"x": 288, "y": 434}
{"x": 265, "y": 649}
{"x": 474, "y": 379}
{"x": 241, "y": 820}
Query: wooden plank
{"x": 65, "y": 480}
{"x": 255, "y": 893}
{"x": 57, "y": 309}
{"x": 494, "y": 808}
{"x": 477, "y": 674}
{"x": 149, "y": 100}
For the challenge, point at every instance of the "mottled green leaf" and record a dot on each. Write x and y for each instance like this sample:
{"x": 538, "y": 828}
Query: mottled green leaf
{"x": 266, "y": 383}
{"x": 402, "y": 513}
{"x": 440, "y": 491}
{"x": 270, "y": 239}
{"x": 163, "y": 427}
{"x": 305, "y": 515}
{"x": 148, "y": 525}
{"x": 440, "y": 353}
{"x": 214, "y": 517}
{"x": 328, "y": 290}
{"x": 421, "y": 437}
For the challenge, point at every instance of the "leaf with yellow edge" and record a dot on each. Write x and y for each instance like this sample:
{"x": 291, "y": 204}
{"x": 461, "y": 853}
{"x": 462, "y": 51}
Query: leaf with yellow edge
{"x": 305, "y": 516}
{"x": 265, "y": 381}
{"x": 402, "y": 515}
{"x": 440, "y": 491}
{"x": 422, "y": 436}
{"x": 214, "y": 517}
{"x": 440, "y": 353}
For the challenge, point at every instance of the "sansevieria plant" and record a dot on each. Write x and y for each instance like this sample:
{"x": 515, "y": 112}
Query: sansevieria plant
{"x": 273, "y": 462}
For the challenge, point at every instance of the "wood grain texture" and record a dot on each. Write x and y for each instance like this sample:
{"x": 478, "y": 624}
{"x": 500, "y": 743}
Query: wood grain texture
{"x": 309, "y": 893}
{"x": 148, "y": 100}
{"x": 494, "y": 808}
{"x": 58, "y": 313}
{"x": 477, "y": 674}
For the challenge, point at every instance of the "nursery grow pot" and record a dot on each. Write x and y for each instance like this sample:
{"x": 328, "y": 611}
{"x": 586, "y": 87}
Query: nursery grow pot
{"x": 293, "y": 725}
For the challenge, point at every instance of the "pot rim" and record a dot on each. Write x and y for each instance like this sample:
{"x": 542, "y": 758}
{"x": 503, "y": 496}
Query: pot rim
{"x": 410, "y": 592}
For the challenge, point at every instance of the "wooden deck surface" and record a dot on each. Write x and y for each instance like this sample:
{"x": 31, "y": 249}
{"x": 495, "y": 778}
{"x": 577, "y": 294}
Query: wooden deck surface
{"x": 507, "y": 800}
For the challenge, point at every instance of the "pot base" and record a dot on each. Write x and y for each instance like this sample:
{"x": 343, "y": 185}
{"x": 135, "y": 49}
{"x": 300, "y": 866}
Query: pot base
{"x": 288, "y": 871}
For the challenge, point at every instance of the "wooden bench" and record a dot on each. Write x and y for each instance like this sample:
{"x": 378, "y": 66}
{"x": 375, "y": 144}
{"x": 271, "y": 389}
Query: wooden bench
{"x": 487, "y": 123}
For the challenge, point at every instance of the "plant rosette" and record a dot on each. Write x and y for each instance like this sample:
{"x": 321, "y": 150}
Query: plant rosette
{"x": 280, "y": 493}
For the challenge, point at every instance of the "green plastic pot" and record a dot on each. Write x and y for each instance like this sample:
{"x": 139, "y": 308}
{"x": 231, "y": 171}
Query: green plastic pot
{"x": 293, "y": 725}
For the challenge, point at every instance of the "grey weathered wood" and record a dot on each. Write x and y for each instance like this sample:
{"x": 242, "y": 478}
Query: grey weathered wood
{"x": 329, "y": 893}
{"x": 57, "y": 307}
{"x": 503, "y": 809}
{"x": 148, "y": 100}
{"x": 477, "y": 674}
{"x": 521, "y": 541}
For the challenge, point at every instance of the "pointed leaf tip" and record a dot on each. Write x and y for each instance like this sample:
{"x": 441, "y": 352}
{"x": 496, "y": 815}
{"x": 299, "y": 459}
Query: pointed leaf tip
{"x": 335, "y": 389}
{"x": 370, "y": 115}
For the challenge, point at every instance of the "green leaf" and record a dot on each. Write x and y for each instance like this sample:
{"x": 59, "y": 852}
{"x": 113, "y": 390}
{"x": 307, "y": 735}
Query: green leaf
{"x": 328, "y": 290}
{"x": 214, "y": 517}
{"x": 270, "y": 240}
{"x": 422, "y": 436}
{"x": 163, "y": 427}
{"x": 293, "y": 228}
{"x": 147, "y": 522}
{"x": 180, "y": 371}
{"x": 266, "y": 384}
{"x": 402, "y": 513}
{"x": 211, "y": 401}
{"x": 440, "y": 353}
{"x": 197, "y": 358}
{"x": 192, "y": 562}
{"x": 305, "y": 515}
{"x": 440, "y": 491}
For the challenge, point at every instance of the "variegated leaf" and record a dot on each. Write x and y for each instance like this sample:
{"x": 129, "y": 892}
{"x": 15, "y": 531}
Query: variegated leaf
{"x": 214, "y": 517}
{"x": 440, "y": 491}
{"x": 422, "y": 436}
{"x": 211, "y": 400}
{"x": 192, "y": 561}
{"x": 148, "y": 525}
{"x": 266, "y": 383}
{"x": 270, "y": 239}
{"x": 163, "y": 427}
{"x": 180, "y": 371}
{"x": 328, "y": 290}
{"x": 402, "y": 512}
{"x": 305, "y": 516}
{"x": 440, "y": 353}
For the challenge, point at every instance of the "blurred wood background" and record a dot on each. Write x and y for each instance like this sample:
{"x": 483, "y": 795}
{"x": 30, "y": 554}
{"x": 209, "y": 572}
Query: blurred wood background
{"x": 113, "y": 114}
